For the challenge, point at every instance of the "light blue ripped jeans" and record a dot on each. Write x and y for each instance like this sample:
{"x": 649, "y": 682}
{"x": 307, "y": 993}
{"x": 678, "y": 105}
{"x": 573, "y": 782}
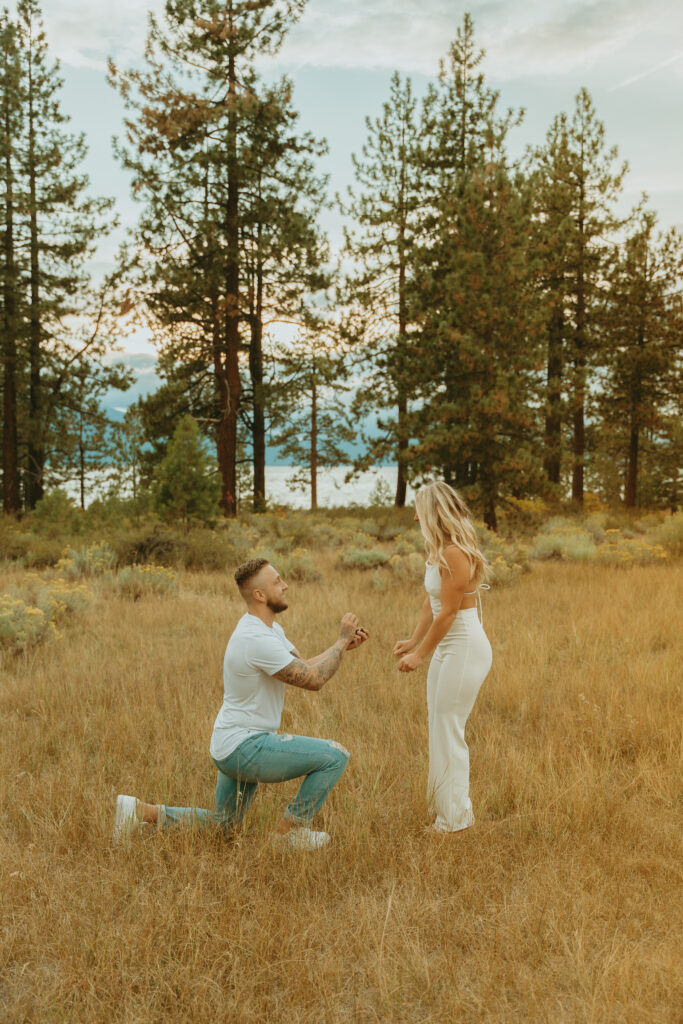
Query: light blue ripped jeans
{"x": 268, "y": 757}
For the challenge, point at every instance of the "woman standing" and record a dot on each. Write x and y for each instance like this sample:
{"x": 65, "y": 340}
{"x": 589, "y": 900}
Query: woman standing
{"x": 450, "y": 630}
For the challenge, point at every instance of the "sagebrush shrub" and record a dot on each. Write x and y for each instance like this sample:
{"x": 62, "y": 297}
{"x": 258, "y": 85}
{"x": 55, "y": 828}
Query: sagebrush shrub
{"x": 363, "y": 558}
{"x": 22, "y": 625}
{"x": 669, "y": 534}
{"x": 410, "y": 566}
{"x": 619, "y": 550}
{"x": 571, "y": 544}
{"x": 95, "y": 560}
{"x": 136, "y": 581}
{"x": 297, "y": 564}
{"x": 59, "y": 599}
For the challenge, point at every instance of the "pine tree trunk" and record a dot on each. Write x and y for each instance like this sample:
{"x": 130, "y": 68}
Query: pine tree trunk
{"x": 226, "y": 365}
{"x": 631, "y": 494}
{"x": 490, "y": 517}
{"x": 226, "y": 430}
{"x": 314, "y": 445}
{"x": 10, "y": 461}
{"x": 632, "y": 471}
{"x": 401, "y": 482}
{"x": 36, "y": 454}
{"x": 81, "y": 463}
{"x": 402, "y": 403}
{"x": 553, "y": 417}
{"x": 256, "y": 372}
{"x": 579, "y": 397}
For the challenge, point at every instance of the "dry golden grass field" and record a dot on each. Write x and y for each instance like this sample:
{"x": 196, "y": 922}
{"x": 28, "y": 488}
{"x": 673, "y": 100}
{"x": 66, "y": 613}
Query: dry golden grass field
{"x": 562, "y": 904}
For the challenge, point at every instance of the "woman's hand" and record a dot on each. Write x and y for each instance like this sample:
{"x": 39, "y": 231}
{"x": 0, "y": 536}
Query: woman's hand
{"x": 402, "y": 647}
{"x": 410, "y": 663}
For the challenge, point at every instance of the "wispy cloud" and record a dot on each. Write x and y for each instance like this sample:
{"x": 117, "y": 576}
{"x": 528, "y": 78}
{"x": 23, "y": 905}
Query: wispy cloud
{"x": 674, "y": 59}
{"x": 84, "y": 33}
{"x": 521, "y": 38}
{"x": 536, "y": 37}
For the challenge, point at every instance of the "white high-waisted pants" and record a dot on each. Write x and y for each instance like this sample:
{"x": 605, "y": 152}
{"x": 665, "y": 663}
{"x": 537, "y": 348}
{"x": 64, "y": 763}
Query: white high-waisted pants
{"x": 458, "y": 667}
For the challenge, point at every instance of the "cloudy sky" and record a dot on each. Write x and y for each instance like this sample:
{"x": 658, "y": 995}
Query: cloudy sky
{"x": 628, "y": 53}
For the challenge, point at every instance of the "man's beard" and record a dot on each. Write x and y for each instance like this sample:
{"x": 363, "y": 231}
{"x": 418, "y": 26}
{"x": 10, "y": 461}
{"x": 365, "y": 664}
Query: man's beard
{"x": 277, "y": 606}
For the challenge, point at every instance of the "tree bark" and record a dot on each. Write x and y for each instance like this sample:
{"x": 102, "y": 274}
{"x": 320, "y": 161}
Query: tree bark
{"x": 632, "y": 470}
{"x": 81, "y": 461}
{"x": 10, "y": 460}
{"x": 402, "y": 402}
{"x": 553, "y": 416}
{"x": 579, "y": 397}
{"x": 314, "y": 445}
{"x": 256, "y": 373}
{"x": 34, "y": 487}
{"x": 226, "y": 364}
{"x": 631, "y": 490}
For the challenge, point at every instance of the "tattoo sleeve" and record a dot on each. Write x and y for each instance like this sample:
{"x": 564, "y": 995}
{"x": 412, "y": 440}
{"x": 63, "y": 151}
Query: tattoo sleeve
{"x": 312, "y": 677}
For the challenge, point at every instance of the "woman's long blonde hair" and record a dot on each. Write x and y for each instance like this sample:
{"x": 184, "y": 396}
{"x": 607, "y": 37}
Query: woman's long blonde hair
{"x": 444, "y": 520}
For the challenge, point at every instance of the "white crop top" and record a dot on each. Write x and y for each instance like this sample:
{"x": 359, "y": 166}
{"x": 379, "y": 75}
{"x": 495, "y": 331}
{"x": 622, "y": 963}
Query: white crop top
{"x": 433, "y": 588}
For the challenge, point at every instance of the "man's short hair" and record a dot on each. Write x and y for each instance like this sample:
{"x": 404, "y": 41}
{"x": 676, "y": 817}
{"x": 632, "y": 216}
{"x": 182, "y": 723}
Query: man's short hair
{"x": 248, "y": 569}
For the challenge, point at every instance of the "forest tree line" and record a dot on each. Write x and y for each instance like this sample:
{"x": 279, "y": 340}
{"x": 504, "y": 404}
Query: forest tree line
{"x": 496, "y": 319}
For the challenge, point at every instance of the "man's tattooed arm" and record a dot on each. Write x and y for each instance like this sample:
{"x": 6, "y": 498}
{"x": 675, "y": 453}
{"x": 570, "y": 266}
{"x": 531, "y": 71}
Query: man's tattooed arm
{"x": 314, "y": 677}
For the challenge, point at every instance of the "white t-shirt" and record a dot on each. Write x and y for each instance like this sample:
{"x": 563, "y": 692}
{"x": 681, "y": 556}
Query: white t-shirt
{"x": 252, "y": 698}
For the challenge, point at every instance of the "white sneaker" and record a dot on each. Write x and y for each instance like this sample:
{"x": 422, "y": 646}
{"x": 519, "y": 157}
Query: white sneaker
{"x": 302, "y": 838}
{"x": 126, "y": 819}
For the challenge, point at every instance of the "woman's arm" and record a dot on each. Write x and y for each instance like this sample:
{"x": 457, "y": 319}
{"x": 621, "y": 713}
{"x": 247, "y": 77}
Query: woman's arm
{"x": 454, "y": 583}
{"x": 420, "y": 631}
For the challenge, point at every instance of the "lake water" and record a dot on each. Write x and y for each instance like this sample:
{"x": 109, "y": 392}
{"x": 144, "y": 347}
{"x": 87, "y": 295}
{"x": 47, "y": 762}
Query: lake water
{"x": 332, "y": 490}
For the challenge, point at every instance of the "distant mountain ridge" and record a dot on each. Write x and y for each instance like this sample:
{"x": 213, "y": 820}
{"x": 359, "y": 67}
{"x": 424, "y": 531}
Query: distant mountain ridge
{"x": 115, "y": 402}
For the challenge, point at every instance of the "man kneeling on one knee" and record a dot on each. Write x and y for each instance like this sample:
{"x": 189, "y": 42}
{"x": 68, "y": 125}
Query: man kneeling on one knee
{"x": 246, "y": 746}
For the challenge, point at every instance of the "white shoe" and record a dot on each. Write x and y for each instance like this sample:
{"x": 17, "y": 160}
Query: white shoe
{"x": 126, "y": 819}
{"x": 302, "y": 838}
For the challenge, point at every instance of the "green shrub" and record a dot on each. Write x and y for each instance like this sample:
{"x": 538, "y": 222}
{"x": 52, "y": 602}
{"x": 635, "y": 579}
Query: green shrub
{"x": 297, "y": 565}
{"x": 60, "y": 599}
{"x": 619, "y": 550}
{"x": 185, "y": 487}
{"x": 568, "y": 541}
{"x": 363, "y": 558}
{"x": 136, "y": 581}
{"x": 501, "y": 572}
{"x": 156, "y": 544}
{"x": 43, "y": 553}
{"x": 499, "y": 552}
{"x": 410, "y": 541}
{"x": 94, "y": 560}
{"x": 669, "y": 534}
{"x": 410, "y": 566}
{"x": 30, "y": 550}
{"x": 243, "y": 538}
{"x": 208, "y": 549}
{"x": 22, "y": 625}
{"x": 56, "y": 515}
{"x": 523, "y": 515}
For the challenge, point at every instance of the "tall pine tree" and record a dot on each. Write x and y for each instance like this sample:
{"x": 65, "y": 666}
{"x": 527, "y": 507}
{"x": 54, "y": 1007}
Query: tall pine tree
{"x": 578, "y": 187}
{"x": 309, "y": 422}
{"x": 10, "y": 131}
{"x": 644, "y": 336}
{"x": 384, "y": 205}
{"x": 197, "y": 122}
{"x": 476, "y": 355}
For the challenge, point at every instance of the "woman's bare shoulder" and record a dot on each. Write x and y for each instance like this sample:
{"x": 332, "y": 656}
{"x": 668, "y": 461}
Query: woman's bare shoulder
{"x": 456, "y": 559}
